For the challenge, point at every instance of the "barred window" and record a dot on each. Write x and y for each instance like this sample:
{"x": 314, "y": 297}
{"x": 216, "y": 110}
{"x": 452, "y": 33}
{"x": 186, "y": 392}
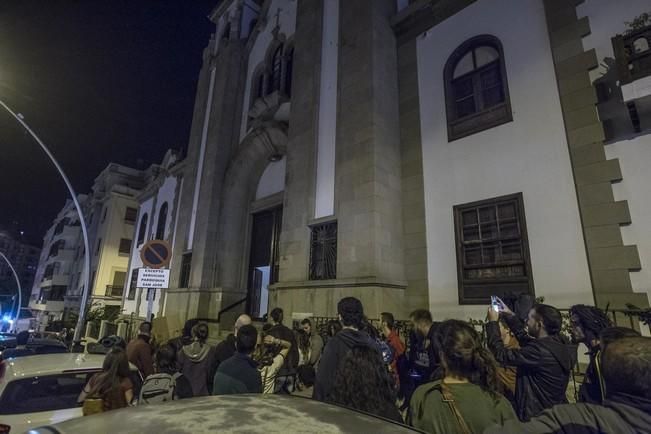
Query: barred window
{"x": 492, "y": 249}
{"x": 323, "y": 251}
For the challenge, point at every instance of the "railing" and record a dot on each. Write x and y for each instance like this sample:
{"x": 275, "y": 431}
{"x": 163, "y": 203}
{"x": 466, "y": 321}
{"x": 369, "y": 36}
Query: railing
{"x": 633, "y": 318}
{"x": 229, "y": 307}
{"x": 114, "y": 291}
{"x": 633, "y": 54}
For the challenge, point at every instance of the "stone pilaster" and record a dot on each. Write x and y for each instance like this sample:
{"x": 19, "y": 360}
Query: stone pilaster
{"x": 413, "y": 190}
{"x": 610, "y": 261}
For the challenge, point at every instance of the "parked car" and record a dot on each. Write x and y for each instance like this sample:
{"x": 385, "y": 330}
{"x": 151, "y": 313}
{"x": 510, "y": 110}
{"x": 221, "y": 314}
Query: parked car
{"x": 34, "y": 347}
{"x": 7, "y": 340}
{"x": 43, "y": 389}
{"x": 235, "y": 413}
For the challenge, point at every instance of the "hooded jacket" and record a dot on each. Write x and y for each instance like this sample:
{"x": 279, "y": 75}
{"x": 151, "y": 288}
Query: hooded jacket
{"x": 334, "y": 352}
{"x": 197, "y": 363}
{"x": 543, "y": 368}
{"x": 620, "y": 414}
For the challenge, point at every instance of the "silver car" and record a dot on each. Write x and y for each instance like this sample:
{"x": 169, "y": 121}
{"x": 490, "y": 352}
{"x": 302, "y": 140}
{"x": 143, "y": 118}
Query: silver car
{"x": 230, "y": 414}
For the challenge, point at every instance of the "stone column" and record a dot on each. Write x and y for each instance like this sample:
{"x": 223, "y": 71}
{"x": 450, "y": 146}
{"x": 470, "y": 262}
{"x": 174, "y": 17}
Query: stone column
{"x": 368, "y": 166}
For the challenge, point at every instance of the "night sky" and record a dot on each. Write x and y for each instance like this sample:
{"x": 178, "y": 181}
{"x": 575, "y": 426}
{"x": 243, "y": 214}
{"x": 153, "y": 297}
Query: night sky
{"x": 99, "y": 81}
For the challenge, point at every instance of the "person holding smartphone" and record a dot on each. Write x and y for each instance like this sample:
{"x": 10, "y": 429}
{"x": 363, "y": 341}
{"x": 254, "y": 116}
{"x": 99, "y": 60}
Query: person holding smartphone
{"x": 543, "y": 362}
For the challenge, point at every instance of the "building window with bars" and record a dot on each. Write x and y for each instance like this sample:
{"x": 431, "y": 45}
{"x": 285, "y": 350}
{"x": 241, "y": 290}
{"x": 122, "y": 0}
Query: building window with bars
{"x": 492, "y": 249}
{"x": 476, "y": 89}
{"x": 323, "y": 251}
{"x": 186, "y": 267}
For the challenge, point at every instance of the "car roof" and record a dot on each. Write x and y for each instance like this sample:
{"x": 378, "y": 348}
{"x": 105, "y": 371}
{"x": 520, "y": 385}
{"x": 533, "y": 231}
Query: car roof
{"x": 44, "y": 364}
{"x": 45, "y": 342}
{"x": 259, "y": 413}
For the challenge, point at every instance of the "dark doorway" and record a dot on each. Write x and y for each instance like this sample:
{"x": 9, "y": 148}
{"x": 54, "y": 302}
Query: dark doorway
{"x": 263, "y": 259}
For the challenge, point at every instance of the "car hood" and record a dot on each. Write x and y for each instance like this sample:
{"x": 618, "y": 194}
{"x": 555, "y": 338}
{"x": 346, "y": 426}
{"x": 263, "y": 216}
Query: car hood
{"x": 237, "y": 413}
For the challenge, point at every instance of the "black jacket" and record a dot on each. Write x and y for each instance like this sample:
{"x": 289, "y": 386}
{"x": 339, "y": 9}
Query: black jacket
{"x": 592, "y": 388}
{"x": 334, "y": 352}
{"x": 620, "y": 414}
{"x": 224, "y": 350}
{"x": 239, "y": 374}
{"x": 543, "y": 367}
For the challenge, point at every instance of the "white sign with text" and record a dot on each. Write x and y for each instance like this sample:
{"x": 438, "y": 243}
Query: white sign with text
{"x": 153, "y": 278}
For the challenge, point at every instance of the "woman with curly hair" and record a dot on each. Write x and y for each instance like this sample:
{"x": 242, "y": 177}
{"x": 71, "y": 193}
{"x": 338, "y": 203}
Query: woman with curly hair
{"x": 362, "y": 382}
{"x": 466, "y": 399}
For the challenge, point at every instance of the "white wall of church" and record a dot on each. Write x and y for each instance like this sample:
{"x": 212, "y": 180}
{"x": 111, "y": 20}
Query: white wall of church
{"x": 529, "y": 155}
{"x": 607, "y": 18}
{"x": 286, "y": 11}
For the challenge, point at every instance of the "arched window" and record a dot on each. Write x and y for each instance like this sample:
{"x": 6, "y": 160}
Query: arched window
{"x": 289, "y": 69}
{"x": 476, "y": 90}
{"x": 142, "y": 230}
{"x": 162, "y": 221}
{"x": 226, "y": 35}
{"x": 276, "y": 70}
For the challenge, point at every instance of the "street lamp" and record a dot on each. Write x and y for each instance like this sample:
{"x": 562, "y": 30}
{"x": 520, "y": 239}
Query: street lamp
{"x": 84, "y": 295}
{"x": 20, "y": 289}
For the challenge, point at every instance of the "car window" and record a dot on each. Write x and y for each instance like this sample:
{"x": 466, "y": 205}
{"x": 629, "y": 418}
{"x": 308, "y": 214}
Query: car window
{"x": 46, "y": 393}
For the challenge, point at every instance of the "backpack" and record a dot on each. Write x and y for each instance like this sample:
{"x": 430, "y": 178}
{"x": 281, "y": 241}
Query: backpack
{"x": 158, "y": 388}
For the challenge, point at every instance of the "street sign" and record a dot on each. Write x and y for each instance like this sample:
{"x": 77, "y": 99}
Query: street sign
{"x": 156, "y": 254}
{"x": 153, "y": 278}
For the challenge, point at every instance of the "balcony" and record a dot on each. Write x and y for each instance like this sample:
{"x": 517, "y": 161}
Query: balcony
{"x": 47, "y": 305}
{"x": 55, "y": 280}
{"x": 633, "y": 61}
{"x": 114, "y": 291}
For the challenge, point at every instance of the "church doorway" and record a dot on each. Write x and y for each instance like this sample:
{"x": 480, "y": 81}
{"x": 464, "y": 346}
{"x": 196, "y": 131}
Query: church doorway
{"x": 263, "y": 259}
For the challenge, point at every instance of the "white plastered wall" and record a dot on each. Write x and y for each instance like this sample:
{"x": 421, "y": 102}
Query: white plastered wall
{"x": 529, "y": 155}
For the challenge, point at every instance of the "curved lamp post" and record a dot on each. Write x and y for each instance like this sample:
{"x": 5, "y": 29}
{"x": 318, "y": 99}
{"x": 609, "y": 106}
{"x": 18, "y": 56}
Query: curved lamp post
{"x": 84, "y": 296}
{"x": 20, "y": 289}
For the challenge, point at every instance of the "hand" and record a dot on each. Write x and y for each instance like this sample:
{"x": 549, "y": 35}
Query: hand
{"x": 493, "y": 315}
{"x": 269, "y": 340}
{"x": 504, "y": 308}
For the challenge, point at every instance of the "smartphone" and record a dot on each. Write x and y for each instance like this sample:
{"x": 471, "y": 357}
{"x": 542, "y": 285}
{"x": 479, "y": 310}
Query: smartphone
{"x": 495, "y": 305}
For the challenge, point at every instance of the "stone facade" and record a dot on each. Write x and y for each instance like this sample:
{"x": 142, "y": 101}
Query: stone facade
{"x": 260, "y": 97}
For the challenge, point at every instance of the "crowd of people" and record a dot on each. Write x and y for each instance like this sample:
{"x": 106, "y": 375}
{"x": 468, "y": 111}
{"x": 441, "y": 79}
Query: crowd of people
{"x": 511, "y": 378}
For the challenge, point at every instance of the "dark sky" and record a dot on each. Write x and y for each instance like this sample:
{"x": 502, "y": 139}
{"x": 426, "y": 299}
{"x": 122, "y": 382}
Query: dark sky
{"x": 99, "y": 81}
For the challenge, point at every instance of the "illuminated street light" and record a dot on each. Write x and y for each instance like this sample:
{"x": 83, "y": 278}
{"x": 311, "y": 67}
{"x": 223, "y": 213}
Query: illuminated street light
{"x": 84, "y": 295}
{"x": 20, "y": 291}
